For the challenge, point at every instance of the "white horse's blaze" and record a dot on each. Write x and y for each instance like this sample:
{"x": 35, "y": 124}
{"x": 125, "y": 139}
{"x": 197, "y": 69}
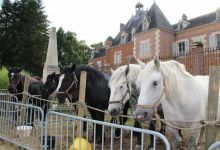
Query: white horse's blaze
{"x": 185, "y": 98}
{"x": 60, "y": 82}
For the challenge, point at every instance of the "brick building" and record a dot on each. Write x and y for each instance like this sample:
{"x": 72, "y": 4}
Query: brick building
{"x": 149, "y": 31}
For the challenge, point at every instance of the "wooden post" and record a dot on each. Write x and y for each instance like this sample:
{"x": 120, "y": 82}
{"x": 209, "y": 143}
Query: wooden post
{"x": 212, "y": 108}
{"x": 24, "y": 98}
{"x": 82, "y": 92}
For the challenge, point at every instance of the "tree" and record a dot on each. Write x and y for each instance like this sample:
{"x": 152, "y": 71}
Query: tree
{"x": 70, "y": 50}
{"x": 23, "y": 34}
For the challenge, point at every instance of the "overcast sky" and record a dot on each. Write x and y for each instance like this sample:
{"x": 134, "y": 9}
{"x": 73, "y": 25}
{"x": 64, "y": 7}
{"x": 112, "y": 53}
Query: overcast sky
{"x": 95, "y": 20}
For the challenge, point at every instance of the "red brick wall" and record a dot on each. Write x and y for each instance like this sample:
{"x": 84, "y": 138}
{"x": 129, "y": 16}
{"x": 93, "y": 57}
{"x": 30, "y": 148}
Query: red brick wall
{"x": 126, "y": 50}
{"x": 143, "y": 36}
{"x": 166, "y": 42}
{"x": 102, "y": 59}
{"x": 207, "y": 30}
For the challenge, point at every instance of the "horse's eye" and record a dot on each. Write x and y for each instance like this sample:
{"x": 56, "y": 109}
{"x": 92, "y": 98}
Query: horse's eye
{"x": 155, "y": 83}
{"x": 121, "y": 87}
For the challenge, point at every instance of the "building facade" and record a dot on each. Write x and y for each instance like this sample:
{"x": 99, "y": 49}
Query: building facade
{"x": 149, "y": 31}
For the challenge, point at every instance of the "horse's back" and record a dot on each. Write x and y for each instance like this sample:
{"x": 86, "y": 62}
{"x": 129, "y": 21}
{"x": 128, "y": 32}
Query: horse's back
{"x": 35, "y": 85}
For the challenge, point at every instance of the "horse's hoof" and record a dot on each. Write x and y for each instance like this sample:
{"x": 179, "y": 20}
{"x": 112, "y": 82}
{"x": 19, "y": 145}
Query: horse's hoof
{"x": 117, "y": 137}
{"x": 150, "y": 147}
{"x": 137, "y": 147}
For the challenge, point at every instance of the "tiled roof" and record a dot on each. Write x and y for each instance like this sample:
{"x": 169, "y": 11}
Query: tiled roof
{"x": 99, "y": 53}
{"x": 199, "y": 21}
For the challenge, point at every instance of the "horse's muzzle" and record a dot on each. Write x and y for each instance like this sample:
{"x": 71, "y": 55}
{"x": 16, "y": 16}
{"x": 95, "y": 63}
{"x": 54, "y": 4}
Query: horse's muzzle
{"x": 143, "y": 114}
{"x": 61, "y": 98}
{"x": 114, "y": 111}
{"x": 12, "y": 89}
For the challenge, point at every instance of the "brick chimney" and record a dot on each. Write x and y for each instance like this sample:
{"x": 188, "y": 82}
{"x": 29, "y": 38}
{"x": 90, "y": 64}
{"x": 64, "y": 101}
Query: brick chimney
{"x": 218, "y": 14}
{"x": 122, "y": 26}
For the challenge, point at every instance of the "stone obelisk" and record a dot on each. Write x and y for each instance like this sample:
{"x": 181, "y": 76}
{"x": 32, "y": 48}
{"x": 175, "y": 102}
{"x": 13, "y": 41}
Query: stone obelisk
{"x": 51, "y": 64}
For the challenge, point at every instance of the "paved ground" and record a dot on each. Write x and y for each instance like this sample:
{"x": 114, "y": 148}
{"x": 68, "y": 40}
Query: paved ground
{"x": 6, "y": 146}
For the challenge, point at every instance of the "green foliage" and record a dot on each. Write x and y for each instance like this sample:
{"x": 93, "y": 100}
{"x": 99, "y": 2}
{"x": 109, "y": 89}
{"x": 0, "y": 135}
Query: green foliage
{"x": 23, "y": 34}
{"x": 3, "y": 78}
{"x": 70, "y": 50}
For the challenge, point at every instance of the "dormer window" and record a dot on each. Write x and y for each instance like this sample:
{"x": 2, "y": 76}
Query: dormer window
{"x": 124, "y": 36}
{"x": 183, "y": 23}
{"x": 132, "y": 34}
{"x": 145, "y": 24}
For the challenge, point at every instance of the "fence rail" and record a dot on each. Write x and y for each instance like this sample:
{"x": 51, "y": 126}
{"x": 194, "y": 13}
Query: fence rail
{"x": 196, "y": 61}
{"x": 62, "y": 127}
{"x": 17, "y": 126}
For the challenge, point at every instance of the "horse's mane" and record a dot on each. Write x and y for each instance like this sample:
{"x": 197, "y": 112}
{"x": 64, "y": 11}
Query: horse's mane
{"x": 119, "y": 73}
{"x": 91, "y": 72}
{"x": 171, "y": 71}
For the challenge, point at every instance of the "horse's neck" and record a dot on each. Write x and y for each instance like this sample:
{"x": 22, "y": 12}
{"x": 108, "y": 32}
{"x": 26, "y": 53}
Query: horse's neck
{"x": 20, "y": 86}
{"x": 187, "y": 97}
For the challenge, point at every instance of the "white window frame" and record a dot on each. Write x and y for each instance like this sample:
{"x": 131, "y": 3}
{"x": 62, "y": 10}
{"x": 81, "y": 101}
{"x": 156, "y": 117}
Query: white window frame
{"x": 145, "y": 24}
{"x": 199, "y": 38}
{"x": 99, "y": 64}
{"x": 213, "y": 41}
{"x": 117, "y": 60}
{"x": 176, "y": 47}
{"x": 144, "y": 47}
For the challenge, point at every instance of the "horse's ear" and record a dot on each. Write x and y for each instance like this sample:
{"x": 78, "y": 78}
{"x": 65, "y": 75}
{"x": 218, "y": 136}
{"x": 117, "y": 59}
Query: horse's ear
{"x": 142, "y": 64}
{"x": 19, "y": 69}
{"x": 73, "y": 67}
{"x": 111, "y": 71}
{"x": 127, "y": 70}
{"x": 157, "y": 62}
{"x": 53, "y": 74}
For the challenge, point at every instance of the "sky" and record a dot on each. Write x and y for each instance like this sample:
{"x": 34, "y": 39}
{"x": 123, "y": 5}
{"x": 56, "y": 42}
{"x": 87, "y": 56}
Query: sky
{"x": 94, "y": 20}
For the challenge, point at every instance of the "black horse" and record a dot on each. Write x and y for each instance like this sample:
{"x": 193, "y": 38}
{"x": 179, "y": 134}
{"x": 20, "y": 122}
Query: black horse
{"x": 16, "y": 87}
{"x": 97, "y": 91}
{"x": 50, "y": 85}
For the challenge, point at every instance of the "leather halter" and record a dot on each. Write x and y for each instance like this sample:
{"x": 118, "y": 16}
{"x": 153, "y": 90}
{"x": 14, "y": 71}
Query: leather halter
{"x": 16, "y": 84}
{"x": 128, "y": 91}
{"x": 75, "y": 81}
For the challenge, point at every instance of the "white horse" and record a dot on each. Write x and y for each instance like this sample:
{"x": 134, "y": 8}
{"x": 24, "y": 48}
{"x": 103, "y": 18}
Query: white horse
{"x": 123, "y": 88}
{"x": 183, "y": 97}
{"x": 122, "y": 85}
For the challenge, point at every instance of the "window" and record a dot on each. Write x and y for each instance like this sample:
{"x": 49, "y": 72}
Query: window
{"x": 200, "y": 39}
{"x": 117, "y": 58}
{"x": 99, "y": 64}
{"x": 123, "y": 40}
{"x": 145, "y": 24}
{"x": 144, "y": 48}
{"x": 132, "y": 34}
{"x": 214, "y": 40}
{"x": 181, "y": 47}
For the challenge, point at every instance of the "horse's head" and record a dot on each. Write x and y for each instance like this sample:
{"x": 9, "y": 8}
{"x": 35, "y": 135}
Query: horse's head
{"x": 67, "y": 84}
{"x": 151, "y": 85}
{"x": 50, "y": 85}
{"x": 15, "y": 77}
{"x": 120, "y": 90}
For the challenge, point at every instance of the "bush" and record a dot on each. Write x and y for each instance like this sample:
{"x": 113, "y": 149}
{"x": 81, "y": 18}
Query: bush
{"x": 3, "y": 78}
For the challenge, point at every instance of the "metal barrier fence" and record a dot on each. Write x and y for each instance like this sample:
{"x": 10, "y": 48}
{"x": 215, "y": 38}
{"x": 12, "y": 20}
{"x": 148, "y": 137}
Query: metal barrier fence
{"x": 214, "y": 146}
{"x": 21, "y": 124}
{"x": 61, "y": 133}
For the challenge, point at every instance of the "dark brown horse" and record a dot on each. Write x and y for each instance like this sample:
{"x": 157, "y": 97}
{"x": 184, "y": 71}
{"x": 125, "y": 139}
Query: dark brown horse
{"x": 16, "y": 87}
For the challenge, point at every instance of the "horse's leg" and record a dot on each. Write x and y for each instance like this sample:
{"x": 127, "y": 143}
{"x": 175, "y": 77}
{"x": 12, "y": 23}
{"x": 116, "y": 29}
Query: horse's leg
{"x": 100, "y": 116}
{"x": 151, "y": 127}
{"x": 176, "y": 138}
{"x": 137, "y": 134}
{"x": 194, "y": 139}
{"x": 122, "y": 120}
{"x": 96, "y": 115}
